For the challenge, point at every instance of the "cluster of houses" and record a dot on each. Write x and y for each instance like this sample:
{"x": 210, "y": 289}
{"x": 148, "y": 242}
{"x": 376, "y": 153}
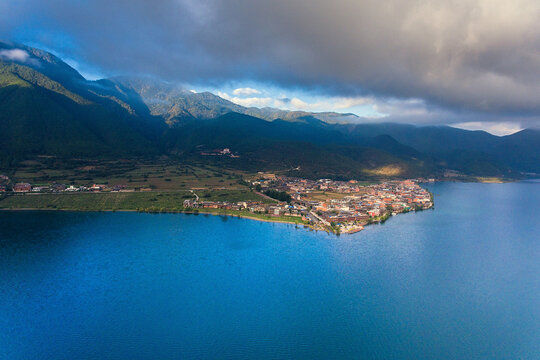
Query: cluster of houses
{"x": 23, "y": 187}
{"x": 256, "y": 207}
{"x": 368, "y": 204}
{"x": 356, "y": 205}
{"x": 220, "y": 152}
{"x": 360, "y": 205}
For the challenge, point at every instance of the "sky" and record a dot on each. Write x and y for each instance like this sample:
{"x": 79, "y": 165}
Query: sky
{"x": 473, "y": 64}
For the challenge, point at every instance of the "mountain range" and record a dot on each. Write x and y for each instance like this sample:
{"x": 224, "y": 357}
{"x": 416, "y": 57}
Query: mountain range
{"x": 48, "y": 108}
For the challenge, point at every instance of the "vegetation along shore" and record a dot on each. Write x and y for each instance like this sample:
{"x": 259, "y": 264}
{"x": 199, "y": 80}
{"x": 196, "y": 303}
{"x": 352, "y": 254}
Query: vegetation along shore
{"x": 324, "y": 204}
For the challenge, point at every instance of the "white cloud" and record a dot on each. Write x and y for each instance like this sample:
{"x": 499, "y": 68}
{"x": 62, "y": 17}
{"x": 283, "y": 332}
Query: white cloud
{"x": 246, "y": 92}
{"x": 248, "y": 102}
{"x": 241, "y": 97}
{"x": 336, "y": 104}
{"x": 301, "y": 105}
{"x": 402, "y": 108}
{"x": 495, "y": 128}
{"x": 15, "y": 55}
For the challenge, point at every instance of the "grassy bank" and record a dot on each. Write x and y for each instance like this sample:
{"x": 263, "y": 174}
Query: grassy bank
{"x": 142, "y": 202}
{"x": 135, "y": 201}
{"x": 254, "y": 216}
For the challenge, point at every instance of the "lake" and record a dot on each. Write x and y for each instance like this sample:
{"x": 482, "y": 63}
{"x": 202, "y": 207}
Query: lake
{"x": 458, "y": 282}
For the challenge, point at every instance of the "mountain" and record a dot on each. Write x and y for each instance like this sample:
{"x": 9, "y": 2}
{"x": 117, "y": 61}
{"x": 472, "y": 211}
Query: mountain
{"x": 473, "y": 152}
{"x": 48, "y": 108}
{"x": 470, "y": 152}
{"x": 521, "y": 149}
{"x": 314, "y": 151}
{"x": 178, "y": 105}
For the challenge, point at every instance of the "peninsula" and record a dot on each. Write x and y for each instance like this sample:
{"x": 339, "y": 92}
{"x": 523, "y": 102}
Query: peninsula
{"x": 324, "y": 204}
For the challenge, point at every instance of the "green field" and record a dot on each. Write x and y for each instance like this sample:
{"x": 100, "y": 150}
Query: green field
{"x": 162, "y": 173}
{"x": 136, "y": 201}
{"x": 169, "y": 201}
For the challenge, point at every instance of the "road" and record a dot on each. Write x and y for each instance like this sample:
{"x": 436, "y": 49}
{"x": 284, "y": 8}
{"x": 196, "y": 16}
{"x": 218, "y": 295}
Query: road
{"x": 196, "y": 196}
{"x": 319, "y": 218}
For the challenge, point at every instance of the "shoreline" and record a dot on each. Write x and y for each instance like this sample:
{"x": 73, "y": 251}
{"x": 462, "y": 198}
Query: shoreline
{"x": 270, "y": 220}
{"x": 170, "y": 204}
{"x": 267, "y": 220}
{"x": 242, "y": 216}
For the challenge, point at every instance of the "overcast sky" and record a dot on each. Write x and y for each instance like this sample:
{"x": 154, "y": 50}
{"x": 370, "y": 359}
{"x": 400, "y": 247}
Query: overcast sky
{"x": 471, "y": 63}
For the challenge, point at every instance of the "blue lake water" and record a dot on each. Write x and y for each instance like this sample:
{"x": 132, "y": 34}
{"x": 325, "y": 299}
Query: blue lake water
{"x": 458, "y": 282}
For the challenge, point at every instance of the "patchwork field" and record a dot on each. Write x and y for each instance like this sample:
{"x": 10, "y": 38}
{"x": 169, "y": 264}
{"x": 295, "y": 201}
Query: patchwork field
{"x": 136, "y": 201}
{"x": 161, "y": 174}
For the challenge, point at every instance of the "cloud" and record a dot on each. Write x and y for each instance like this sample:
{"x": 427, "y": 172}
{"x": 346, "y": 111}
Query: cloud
{"x": 495, "y": 128}
{"x": 332, "y": 104}
{"x": 15, "y": 55}
{"x": 461, "y": 58}
{"x": 329, "y": 103}
{"x": 248, "y": 101}
{"x": 245, "y": 92}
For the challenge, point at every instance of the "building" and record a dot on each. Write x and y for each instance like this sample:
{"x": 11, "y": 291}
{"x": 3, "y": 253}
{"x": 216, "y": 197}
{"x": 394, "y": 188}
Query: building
{"x": 58, "y": 187}
{"x": 40, "y": 188}
{"x": 22, "y": 187}
{"x": 98, "y": 187}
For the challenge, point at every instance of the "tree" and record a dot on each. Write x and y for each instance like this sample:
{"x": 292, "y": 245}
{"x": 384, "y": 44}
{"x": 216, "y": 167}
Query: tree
{"x": 278, "y": 195}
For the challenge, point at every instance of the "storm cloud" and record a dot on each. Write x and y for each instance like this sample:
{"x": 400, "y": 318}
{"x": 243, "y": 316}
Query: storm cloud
{"x": 471, "y": 59}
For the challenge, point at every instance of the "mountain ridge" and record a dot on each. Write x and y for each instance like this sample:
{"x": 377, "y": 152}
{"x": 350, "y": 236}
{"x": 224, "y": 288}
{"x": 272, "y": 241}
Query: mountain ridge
{"x": 49, "y": 108}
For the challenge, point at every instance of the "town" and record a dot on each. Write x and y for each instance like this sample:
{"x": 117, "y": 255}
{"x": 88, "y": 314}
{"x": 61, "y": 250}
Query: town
{"x": 328, "y": 205}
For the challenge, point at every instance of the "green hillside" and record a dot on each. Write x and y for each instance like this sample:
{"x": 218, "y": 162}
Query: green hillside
{"x": 48, "y": 108}
{"x": 40, "y": 116}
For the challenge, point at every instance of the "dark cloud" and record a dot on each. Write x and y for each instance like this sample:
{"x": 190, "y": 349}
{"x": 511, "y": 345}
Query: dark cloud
{"x": 472, "y": 58}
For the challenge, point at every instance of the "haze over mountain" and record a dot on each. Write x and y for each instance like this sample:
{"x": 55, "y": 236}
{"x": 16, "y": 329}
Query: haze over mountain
{"x": 468, "y": 64}
{"x": 48, "y": 108}
{"x": 175, "y": 103}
